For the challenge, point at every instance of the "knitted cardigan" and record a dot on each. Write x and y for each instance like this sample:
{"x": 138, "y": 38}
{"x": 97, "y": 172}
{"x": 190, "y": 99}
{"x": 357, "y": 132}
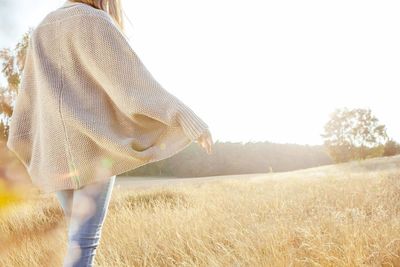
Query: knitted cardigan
{"x": 87, "y": 107}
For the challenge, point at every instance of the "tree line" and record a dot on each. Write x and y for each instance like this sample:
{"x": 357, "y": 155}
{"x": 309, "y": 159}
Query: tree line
{"x": 236, "y": 158}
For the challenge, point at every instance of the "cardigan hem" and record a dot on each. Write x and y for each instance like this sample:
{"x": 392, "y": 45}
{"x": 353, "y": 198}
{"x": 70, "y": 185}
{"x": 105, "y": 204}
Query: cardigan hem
{"x": 117, "y": 169}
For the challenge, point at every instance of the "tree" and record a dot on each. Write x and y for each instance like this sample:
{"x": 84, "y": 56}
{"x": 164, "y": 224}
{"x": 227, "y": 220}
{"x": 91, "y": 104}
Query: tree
{"x": 391, "y": 148}
{"x": 354, "y": 134}
{"x": 13, "y": 62}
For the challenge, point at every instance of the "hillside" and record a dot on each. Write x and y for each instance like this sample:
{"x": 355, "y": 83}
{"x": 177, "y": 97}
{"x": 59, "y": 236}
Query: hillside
{"x": 336, "y": 215}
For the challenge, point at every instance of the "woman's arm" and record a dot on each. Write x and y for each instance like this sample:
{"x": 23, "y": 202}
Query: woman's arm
{"x": 110, "y": 59}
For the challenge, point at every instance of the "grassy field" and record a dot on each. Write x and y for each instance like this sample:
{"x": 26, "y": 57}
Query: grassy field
{"x": 344, "y": 215}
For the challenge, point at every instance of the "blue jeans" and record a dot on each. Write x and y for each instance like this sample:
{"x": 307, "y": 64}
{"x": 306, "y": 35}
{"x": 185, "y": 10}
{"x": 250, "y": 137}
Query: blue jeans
{"x": 85, "y": 210}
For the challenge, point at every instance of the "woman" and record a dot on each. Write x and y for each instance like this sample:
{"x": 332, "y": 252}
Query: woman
{"x": 88, "y": 110}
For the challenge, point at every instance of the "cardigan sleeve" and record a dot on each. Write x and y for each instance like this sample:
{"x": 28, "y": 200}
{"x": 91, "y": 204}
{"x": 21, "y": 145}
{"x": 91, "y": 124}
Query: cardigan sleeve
{"x": 111, "y": 61}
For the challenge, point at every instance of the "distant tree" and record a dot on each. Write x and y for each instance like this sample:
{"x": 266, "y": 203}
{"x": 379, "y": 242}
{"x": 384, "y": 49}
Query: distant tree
{"x": 13, "y": 63}
{"x": 391, "y": 148}
{"x": 354, "y": 134}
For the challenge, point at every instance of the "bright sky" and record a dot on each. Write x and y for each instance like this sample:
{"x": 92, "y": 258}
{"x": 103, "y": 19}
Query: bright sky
{"x": 260, "y": 70}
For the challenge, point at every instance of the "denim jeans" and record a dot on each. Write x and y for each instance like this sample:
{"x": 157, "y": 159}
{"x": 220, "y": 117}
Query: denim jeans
{"x": 85, "y": 210}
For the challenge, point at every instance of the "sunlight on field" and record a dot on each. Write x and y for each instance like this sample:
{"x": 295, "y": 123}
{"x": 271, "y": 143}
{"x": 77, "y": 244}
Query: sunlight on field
{"x": 8, "y": 196}
{"x": 347, "y": 215}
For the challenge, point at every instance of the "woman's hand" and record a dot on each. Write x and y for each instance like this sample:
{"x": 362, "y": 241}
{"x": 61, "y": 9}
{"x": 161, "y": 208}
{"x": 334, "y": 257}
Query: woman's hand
{"x": 205, "y": 141}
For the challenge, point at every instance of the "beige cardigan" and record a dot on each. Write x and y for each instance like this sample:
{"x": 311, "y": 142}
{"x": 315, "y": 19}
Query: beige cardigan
{"x": 88, "y": 108}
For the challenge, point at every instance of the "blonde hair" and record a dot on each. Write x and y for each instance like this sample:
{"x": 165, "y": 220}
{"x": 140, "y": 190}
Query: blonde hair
{"x": 112, "y": 7}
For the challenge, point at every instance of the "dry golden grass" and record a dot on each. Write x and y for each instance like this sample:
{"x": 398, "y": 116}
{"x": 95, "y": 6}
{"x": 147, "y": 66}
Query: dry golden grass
{"x": 346, "y": 215}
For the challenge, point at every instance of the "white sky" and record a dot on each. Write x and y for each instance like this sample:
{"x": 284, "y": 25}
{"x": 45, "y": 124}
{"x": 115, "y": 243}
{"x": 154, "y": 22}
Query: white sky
{"x": 261, "y": 70}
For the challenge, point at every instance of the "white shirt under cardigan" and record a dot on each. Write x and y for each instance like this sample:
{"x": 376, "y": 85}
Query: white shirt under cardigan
{"x": 88, "y": 108}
